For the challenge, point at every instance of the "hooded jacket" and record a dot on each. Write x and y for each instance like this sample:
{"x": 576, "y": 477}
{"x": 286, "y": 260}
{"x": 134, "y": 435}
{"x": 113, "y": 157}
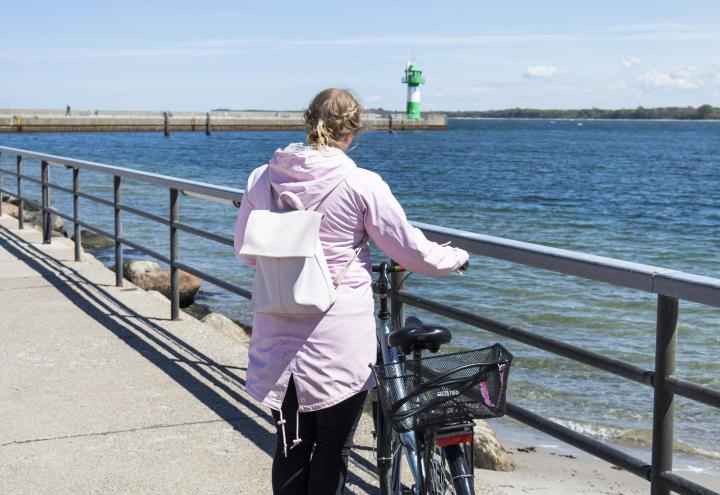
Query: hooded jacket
{"x": 329, "y": 355}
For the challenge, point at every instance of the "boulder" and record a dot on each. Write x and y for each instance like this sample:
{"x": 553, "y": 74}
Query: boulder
{"x": 148, "y": 275}
{"x": 226, "y": 326}
{"x": 12, "y": 200}
{"x": 9, "y": 199}
{"x": 198, "y": 311}
{"x": 487, "y": 451}
{"x": 134, "y": 270}
{"x": 58, "y": 226}
{"x": 91, "y": 240}
{"x": 10, "y": 209}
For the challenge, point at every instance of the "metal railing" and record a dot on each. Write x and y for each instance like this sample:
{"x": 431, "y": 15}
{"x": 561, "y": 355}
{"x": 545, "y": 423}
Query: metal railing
{"x": 175, "y": 188}
{"x": 669, "y": 285}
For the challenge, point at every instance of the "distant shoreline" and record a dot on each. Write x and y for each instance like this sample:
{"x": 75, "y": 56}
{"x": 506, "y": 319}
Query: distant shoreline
{"x": 703, "y": 112}
{"x": 586, "y": 119}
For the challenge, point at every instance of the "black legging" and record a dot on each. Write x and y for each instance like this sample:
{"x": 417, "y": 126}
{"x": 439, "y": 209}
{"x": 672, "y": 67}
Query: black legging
{"x": 318, "y": 464}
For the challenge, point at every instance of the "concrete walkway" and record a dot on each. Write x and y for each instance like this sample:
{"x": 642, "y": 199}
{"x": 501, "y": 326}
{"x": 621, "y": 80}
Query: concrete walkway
{"x": 102, "y": 393}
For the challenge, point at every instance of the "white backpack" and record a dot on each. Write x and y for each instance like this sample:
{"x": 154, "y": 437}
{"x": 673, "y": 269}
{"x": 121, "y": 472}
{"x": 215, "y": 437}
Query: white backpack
{"x": 291, "y": 272}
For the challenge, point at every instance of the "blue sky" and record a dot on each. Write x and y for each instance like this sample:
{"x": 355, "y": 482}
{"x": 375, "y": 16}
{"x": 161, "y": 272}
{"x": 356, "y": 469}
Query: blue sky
{"x": 276, "y": 55}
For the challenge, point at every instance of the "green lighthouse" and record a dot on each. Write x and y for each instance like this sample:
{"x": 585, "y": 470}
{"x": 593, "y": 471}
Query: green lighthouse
{"x": 413, "y": 78}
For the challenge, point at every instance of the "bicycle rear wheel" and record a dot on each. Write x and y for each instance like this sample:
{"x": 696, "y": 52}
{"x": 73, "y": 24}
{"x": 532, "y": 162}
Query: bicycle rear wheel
{"x": 389, "y": 453}
{"x": 448, "y": 472}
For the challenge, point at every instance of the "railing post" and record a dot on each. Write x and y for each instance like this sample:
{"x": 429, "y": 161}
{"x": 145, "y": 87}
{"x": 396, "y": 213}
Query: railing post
{"x": 397, "y": 309}
{"x": 21, "y": 202}
{"x": 46, "y": 225}
{"x": 663, "y": 403}
{"x": 118, "y": 233}
{"x": 76, "y": 211}
{"x": 174, "y": 275}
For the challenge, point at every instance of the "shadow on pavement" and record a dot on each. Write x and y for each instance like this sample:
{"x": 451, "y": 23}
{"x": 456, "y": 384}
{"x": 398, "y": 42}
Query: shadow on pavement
{"x": 153, "y": 342}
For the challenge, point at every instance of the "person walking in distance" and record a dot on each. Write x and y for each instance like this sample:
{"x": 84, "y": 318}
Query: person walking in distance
{"x": 313, "y": 370}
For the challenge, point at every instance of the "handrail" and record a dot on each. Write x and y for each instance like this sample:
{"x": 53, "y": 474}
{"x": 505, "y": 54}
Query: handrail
{"x": 669, "y": 285}
{"x": 211, "y": 190}
{"x": 648, "y": 278}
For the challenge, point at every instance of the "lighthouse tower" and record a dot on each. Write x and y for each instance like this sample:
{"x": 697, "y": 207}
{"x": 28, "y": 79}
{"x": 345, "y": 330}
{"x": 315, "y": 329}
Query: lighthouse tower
{"x": 413, "y": 78}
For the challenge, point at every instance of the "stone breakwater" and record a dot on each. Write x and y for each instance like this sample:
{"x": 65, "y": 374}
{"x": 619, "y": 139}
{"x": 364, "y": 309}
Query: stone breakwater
{"x": 40, "y": 120}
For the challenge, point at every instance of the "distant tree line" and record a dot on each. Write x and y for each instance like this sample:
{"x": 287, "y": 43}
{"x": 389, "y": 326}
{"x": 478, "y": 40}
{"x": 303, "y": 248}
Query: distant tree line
{"x": 704, "y": 112}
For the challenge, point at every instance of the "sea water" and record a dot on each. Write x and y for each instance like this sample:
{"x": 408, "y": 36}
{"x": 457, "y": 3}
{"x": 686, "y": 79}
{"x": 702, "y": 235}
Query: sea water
{"x": 645, "y": 192}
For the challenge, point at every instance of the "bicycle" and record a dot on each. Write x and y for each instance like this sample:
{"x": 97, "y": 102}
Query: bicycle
{"x": 425, "y": 405}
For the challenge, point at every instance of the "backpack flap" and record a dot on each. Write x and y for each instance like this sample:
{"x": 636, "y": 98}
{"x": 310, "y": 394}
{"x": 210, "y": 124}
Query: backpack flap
{"x": 287, "y": 234}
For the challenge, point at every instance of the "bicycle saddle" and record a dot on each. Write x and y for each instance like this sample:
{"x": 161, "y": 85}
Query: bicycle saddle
{"x": 416, "y": 336}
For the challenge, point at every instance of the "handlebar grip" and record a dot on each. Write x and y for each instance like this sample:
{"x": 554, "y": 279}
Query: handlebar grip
{"x": 390, "y": 268}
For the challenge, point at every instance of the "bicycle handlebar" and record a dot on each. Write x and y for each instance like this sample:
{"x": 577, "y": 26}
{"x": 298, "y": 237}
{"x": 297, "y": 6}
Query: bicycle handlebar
{"x": 390, "y": 268}
{"x": 400, "y": 268}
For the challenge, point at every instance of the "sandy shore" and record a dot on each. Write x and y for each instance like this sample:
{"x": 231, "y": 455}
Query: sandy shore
{"x": 555, "y": 469}
{"x": 544, "y": 465}
{"x": 547, "y": 466}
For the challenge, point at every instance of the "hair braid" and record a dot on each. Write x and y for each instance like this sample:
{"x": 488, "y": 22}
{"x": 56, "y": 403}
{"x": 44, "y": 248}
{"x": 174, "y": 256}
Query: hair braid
{"x": 333, "y": 115}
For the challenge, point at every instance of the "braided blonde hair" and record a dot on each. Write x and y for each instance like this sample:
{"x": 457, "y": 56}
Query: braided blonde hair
{"x": 333, "y": 115}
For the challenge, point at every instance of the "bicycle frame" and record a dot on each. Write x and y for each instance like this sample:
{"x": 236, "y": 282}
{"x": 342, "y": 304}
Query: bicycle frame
{"x": 410, "y": 442}
{"x": 407, "y": 439}
{"x": 390, "y": 355}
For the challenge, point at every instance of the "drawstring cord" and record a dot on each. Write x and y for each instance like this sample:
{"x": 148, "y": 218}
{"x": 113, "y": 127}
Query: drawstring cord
{"x": 281, "y": 423}
{"x": 297, "y": 440}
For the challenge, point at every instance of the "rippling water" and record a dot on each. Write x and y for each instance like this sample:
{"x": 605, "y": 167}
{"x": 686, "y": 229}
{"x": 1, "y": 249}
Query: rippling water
{"x": 640, "y": 191}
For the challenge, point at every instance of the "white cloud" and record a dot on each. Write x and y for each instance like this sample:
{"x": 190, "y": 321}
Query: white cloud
{"x": 661, "y": 31}
{"x": 631, "y": 62}
{"x": 656, "y": 26}
{"x": 679, "y": 78}
{"x": 542, "y": 72}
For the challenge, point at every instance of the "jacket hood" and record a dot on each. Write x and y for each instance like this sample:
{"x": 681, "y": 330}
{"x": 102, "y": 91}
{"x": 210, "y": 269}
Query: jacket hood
{"x": 307, "y": 172}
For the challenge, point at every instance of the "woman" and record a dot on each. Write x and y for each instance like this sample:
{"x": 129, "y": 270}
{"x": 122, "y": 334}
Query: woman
{"x": 313, "y": 371}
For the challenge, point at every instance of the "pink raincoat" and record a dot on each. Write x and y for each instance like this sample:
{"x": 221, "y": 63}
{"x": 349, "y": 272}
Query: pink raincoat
{"x": 329, "y": 355}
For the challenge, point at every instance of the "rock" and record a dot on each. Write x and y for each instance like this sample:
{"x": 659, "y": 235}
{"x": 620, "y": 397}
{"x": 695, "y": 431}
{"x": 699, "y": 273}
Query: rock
{"x": 9, "y": 199}
{"x": 148, "y": 275}
{"x": 226, "y": 326}
{"x": 198, "y": 311}
{"x": 58, "y": 226}
{"x": 91, "y": 240}
{"x": 10, "y": 209}
{"x": 12, "y": 200}
{"x": 487, "y": 451}
{"x": 248, "y": 328}
{"x": 133, "y": 270}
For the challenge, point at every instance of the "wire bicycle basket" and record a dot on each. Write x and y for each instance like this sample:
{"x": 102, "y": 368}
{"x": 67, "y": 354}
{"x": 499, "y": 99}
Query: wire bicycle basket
{"x": 444, "y": 389}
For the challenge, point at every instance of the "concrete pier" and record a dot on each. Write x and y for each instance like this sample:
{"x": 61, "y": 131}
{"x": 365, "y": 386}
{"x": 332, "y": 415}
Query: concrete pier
{"x": 44, "y": 120}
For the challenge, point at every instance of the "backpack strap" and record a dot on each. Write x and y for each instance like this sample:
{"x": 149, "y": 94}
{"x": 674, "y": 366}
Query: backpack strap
{"x": 292, "y": 199}
{"x": 343, "y": 271}
{"x": 341, "y": 274}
